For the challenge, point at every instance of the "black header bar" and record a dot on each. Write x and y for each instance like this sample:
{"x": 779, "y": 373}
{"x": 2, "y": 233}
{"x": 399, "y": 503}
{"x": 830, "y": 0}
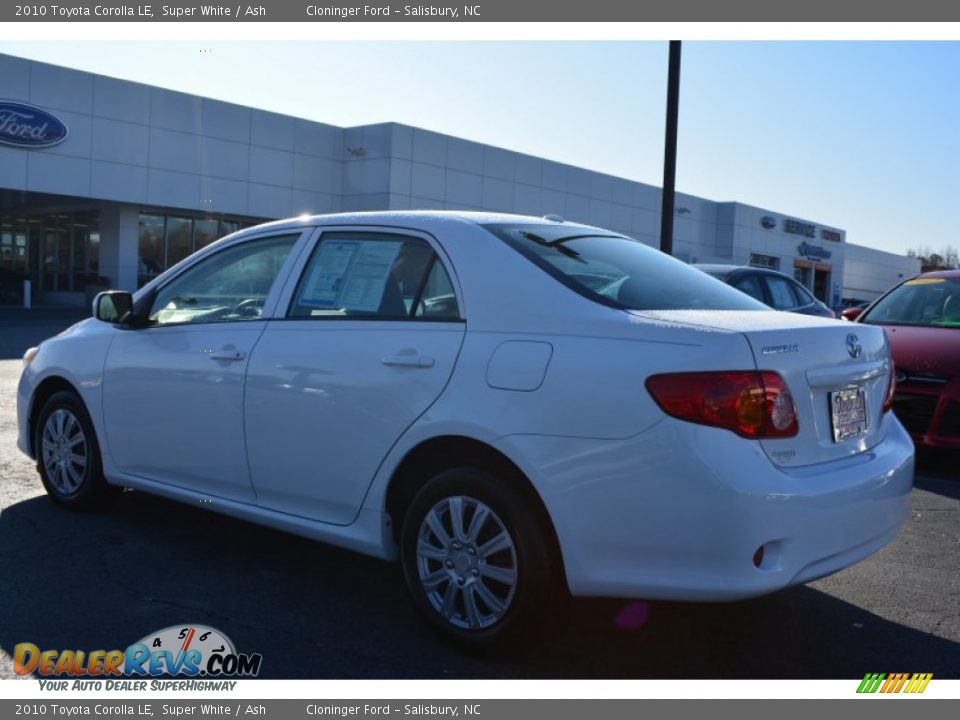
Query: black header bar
{"x": 483, "y": 11}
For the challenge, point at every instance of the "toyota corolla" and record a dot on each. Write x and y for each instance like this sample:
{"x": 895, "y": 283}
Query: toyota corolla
{"x": 506, "y": 405}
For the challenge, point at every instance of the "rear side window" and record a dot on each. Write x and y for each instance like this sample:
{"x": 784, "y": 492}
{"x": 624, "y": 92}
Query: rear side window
{"x": 375, "y": 276}
{"x": 619, "y": 271}
{"x": 751, "y": 286}
{"x": 781, "y": 294}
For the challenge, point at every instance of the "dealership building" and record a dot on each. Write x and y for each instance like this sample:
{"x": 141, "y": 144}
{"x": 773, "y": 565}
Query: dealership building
{"x": 109, "y": 182}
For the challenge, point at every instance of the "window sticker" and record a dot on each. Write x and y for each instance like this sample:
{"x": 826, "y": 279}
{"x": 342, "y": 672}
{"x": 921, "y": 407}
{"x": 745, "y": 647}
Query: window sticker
{"x": 326, "y": 276}
{"x": 350, "y": 274}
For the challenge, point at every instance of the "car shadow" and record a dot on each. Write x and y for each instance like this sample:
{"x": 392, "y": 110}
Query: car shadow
{"x": 938, "y": 470}
{"x": 104, "y": 581}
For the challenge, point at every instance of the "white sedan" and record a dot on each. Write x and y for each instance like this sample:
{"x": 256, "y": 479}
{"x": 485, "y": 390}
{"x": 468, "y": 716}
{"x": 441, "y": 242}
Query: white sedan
{"x": 508, "y": 405}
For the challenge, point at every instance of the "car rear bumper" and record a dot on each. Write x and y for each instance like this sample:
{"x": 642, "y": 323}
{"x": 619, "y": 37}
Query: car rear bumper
{"x": 679, "y": 512}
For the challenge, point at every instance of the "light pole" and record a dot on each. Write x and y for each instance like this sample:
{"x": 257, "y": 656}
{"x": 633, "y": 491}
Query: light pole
{"x": 670, "y": 149}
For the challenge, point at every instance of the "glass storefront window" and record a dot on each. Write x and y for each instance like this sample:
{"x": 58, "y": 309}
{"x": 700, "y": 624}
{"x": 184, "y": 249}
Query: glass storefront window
{"x": 165, "y": 240}
{"x": 151, "y": 249}
{"x": 93, "y": 255}
{"x": 227, "y": 227}
{"x": 204, "y": 233}
{"x": 179, "y": 237}
{"x": 58, "y": 251}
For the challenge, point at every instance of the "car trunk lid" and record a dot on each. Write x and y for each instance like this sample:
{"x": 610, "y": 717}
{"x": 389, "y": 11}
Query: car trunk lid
{"x": 832, "y": 369}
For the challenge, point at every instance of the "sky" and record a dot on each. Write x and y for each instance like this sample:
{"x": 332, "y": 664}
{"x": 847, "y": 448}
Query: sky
{"x": 858, "y": 135}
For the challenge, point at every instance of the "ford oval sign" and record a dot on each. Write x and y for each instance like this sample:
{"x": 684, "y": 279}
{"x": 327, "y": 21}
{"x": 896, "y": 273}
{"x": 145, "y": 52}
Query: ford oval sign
{"x": 28, "y": 126}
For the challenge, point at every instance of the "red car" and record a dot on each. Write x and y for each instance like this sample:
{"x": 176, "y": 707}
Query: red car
{"x": 921, "y": 317}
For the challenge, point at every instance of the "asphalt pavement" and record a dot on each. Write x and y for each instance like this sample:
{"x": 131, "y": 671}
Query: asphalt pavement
{"x": 105, "y": 580}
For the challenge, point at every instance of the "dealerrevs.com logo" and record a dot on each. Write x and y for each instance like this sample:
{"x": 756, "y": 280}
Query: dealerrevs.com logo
{"x": 180, "y": 650}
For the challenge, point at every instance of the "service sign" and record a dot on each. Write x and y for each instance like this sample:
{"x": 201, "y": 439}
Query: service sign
{"x": 28, "y": 126}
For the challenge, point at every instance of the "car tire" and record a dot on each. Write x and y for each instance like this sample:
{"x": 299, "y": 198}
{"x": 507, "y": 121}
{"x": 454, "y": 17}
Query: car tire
{"x": 68, "y": 456}
{"x": 483, "y": 578}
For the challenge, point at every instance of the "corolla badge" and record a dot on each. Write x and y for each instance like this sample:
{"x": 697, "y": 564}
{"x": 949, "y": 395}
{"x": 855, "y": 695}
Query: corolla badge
{"x": 853, "y": 346}
{"x": 28, "y": 126}
{"x": 777, "y": 349}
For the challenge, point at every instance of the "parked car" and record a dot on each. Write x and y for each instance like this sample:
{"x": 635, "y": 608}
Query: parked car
{"x": 11, "y": 287}
{"x": 852, "y": 312}
{"x": 509, "y": 406}
{"x": 779, "y": 291}
{"x": 921, "y": 317}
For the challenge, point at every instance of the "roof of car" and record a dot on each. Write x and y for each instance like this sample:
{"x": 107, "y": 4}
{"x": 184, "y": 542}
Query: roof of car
{"x": 412, "y": 217}
{"x": 952, "y": 274}
{"x": 721, "y": 269}
{"x": 716, "y": 268}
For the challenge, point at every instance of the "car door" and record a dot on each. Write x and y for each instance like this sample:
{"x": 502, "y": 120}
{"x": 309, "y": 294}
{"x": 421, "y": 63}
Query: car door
{"x": 173, "y": 391}
{"x": 371, "y": 334}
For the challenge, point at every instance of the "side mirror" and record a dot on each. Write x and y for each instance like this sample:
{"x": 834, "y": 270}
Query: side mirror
{"x": 113, "y": 306}
{"x": 851, "y": 314}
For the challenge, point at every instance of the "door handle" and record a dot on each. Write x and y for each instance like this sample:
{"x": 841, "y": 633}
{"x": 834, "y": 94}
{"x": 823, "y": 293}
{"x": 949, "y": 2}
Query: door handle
{"x": 413, "y": 361}
{"x": 228, "y": 354}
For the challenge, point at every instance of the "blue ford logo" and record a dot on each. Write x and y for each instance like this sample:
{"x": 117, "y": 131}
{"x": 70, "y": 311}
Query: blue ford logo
{"x": 27, "y": 126}
{"x": 853, "y": 346}
{"x": 768, "y": 221}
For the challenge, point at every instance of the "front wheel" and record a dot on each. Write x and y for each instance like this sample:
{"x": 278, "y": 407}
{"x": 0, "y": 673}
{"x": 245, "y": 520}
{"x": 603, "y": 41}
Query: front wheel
{"x": 68, "y": 457}
{"x": 475, "y": 557}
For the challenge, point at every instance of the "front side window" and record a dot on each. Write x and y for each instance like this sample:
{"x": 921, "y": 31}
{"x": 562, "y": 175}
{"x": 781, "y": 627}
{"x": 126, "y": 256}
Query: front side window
{"x": 228, "y": 286}
{"x": 374, "y": 276}
{"x": 933, "y": 301}
{"x": 620, "y": 272}
{"x": 803, "y": 295}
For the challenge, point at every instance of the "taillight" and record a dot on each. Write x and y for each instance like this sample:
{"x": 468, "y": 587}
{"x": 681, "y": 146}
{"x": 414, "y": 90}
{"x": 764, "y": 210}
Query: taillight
{"x": 891, "y": 388}
{"x": 753, "y": 404}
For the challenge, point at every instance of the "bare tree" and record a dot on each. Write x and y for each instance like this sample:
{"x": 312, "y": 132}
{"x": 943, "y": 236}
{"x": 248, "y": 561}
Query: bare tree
{"x": 948, "y": 257}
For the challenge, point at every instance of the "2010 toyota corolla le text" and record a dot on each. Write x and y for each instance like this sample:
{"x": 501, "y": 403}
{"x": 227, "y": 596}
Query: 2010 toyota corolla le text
{"x": 500, "y": 402}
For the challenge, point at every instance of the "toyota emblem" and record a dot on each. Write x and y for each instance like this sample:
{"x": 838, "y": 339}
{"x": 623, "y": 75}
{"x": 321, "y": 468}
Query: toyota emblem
{"x": 853, "y": 346}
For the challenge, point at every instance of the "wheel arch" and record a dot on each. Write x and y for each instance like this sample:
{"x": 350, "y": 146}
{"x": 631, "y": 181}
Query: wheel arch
{"x": 47, "y": 387}
{"x": 431, "y": 456}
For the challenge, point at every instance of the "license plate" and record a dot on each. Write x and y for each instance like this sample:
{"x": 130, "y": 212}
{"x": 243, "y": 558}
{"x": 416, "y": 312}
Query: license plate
{"x": 848, "y": 411}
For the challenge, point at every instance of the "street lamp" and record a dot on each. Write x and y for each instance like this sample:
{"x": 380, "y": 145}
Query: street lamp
{"x": 670, "y": 149}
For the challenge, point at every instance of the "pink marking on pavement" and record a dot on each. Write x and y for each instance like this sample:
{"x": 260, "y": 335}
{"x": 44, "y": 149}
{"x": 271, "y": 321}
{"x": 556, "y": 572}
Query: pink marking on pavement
{"x": 633, "y": 616}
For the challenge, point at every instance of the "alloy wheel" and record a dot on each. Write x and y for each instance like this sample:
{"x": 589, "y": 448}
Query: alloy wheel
{"x": 64, "y": 451}
{"x": 467, "y": 562}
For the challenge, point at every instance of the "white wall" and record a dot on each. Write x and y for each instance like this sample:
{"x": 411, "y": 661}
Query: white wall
{"x": 868, "y": 272}
{"x": 134, "y": 143}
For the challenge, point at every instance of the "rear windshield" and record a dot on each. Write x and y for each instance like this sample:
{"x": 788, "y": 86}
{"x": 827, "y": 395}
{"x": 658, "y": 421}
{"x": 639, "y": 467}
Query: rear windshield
{"x": 922, "y": 301}
{"x": 620, "y": 272}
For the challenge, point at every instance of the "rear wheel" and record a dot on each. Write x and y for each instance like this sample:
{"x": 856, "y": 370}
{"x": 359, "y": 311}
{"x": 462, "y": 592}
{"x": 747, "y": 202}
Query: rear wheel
{"x": 68, "y": 457}
{"x": 474, "y": 557}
